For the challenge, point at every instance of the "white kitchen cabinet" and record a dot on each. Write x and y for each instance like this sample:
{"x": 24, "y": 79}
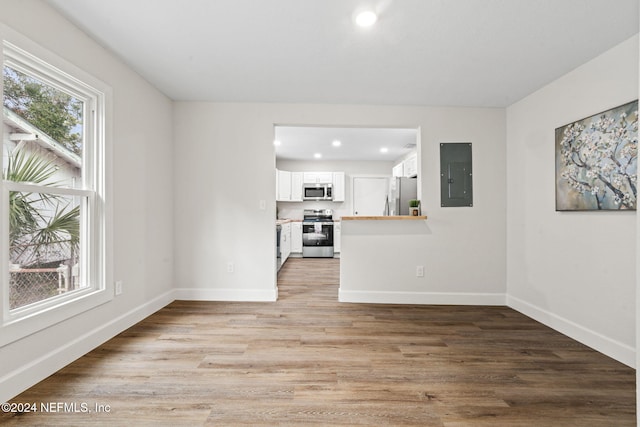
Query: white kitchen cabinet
{"x": 285, "y": 241}
{"x": 338, "y": 186}
{"x": 296, "y": 186}
{"x": 398, "y": 170}
{"x": 283, "y": 184}
{"x": 325, "y": 177}
{"x": 337, "y": 232}
{"x": 296, "y": 237}
{"x": 407, "y": 168}
{"x": 318, "y": 177}
{"x": 411, "y": 166}
{"x": 289, "y": 185}
{"x": 309, "y": 177}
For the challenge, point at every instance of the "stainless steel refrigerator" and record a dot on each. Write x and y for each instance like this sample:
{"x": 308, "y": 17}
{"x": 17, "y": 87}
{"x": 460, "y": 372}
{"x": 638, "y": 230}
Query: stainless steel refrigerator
{"x": 401, "y": 190}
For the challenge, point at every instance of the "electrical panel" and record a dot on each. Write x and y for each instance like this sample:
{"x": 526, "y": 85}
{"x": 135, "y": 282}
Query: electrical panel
{"x": 456, "y": 175}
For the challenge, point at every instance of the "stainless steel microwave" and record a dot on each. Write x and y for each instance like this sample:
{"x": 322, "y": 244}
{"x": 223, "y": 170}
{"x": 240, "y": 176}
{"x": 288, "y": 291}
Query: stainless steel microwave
{"x": 317, "y": 192}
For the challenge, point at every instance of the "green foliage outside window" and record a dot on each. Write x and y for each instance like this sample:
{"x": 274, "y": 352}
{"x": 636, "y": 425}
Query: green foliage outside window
{"x": 55, "y": 112}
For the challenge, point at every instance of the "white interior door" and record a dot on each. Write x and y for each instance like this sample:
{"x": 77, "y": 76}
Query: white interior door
{"x": 369, "y": 196}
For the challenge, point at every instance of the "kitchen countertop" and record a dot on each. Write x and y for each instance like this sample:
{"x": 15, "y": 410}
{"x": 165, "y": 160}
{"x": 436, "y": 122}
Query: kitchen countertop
{"x": 286, "y": 220}
{"x": 384, "y": 218}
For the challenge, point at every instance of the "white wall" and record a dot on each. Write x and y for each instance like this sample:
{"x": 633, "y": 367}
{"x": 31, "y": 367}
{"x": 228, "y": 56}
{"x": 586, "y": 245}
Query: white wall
{"x": 294, "y": 210}
{"x": 574, "y": 271}
{"x": 142, "y": 193}
{"x": 225, "y": 166}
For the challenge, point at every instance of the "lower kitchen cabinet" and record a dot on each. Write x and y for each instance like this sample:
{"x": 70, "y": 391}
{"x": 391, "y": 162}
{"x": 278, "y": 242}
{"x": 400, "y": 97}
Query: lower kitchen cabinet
{"x": 296, "y": 237}
{"x": 285, "y": 241}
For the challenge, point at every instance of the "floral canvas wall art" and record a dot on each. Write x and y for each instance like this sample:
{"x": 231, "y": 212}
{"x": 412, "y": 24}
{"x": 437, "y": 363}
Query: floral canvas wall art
{"x": 597, "y": 161}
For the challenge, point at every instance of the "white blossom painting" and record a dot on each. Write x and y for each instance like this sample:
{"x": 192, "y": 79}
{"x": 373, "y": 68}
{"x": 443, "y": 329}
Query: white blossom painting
{"x": 597, "y": 161}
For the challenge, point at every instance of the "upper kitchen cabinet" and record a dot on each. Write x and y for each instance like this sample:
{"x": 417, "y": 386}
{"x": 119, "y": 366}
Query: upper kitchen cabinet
{"x": 411, "y": 166}
{"x": 398, "y": 170}
{"x": 296, "y": 186}
{"x": 318, "y": 177}
{"x": 288, "y": 186}
{"x": 408, "y": 168}
{"x": 283, "y": 186}
{"x": 338, "y": 186}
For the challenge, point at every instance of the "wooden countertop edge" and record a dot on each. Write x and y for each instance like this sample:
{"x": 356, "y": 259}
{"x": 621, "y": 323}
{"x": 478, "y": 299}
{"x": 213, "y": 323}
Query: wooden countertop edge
{"x": 365, "y": 218}
{"x": 287, "y": 220}
{"x": 384, "y": 218}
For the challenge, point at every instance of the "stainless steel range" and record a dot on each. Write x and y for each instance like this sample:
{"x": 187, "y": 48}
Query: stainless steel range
{"x": 317, "y": 233}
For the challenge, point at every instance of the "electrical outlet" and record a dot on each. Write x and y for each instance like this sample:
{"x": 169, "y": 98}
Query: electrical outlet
{"x": 118, "y": 289}
{"x": 263, "y": 205}
{"x": 229, "y": 267}
{"x": 419, "y": 271}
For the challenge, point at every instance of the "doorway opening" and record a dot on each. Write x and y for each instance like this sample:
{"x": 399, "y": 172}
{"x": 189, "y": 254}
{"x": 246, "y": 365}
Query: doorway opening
{"x": 344, "y": 170}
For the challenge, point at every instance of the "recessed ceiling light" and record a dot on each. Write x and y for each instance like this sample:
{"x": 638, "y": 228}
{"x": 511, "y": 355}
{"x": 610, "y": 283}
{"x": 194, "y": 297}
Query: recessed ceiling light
{"x": 336, "y": 143}
{"x": 317, "y": 156}
{"x": 277, "y": 143}
{"x": 384, "y": 150}
{"x": 366, "y": 18}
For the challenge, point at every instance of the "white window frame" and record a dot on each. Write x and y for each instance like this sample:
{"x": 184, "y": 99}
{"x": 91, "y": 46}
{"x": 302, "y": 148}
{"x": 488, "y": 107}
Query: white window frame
{"x": 20, "y": 53}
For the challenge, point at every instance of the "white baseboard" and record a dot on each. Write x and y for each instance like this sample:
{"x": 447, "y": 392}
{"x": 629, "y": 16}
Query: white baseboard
{"x": 612, "y": 348}
{"x": 35, "y": 371}
{"x": 245, "y": 295}
{"x": 438, "y": 298}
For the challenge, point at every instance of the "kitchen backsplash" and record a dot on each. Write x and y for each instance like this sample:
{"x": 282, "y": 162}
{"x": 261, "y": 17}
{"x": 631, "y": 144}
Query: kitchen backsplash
{"x": 294, "y": 210}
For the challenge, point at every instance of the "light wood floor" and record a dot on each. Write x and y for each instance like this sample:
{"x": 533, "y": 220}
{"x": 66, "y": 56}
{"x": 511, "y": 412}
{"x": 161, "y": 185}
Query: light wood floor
{"x": 308, "y": 360}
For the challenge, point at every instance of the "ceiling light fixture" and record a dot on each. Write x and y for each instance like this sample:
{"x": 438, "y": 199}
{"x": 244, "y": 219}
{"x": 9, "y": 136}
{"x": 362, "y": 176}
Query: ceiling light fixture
{"x": 277, "y": 143}
{"x": 336, "y": 143}
{"x": 366, "y": 18}
{"x": 317, "y": 156}
{"x": 384, "y": 150}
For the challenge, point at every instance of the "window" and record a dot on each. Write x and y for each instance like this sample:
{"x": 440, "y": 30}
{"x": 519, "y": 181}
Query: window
{"x": 53, "y": 190}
